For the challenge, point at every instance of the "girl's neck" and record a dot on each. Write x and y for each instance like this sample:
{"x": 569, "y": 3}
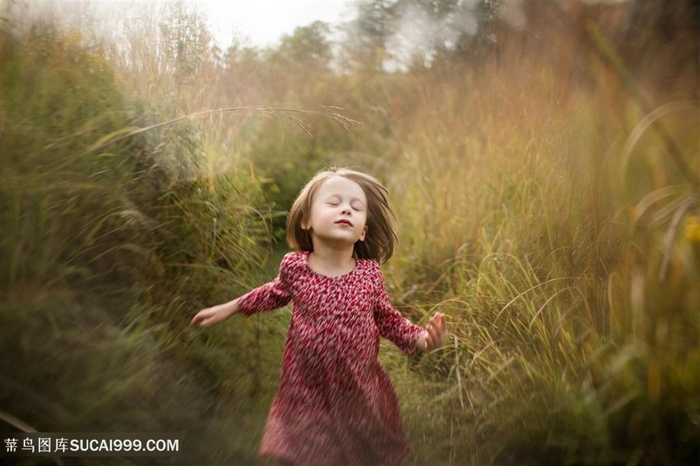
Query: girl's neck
{"x": 331, "y": 261}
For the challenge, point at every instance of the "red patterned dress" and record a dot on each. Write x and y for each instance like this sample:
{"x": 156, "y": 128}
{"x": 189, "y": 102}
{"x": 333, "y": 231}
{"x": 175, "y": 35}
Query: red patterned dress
{"x": 336, "y": 404}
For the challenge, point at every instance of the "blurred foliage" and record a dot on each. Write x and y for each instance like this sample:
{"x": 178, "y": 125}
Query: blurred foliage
{"x": 542, "y": 159}
{"x": 108, "y": 245}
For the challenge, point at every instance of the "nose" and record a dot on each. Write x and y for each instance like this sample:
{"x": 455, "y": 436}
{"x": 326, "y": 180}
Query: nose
{"x": 346, "y": 211}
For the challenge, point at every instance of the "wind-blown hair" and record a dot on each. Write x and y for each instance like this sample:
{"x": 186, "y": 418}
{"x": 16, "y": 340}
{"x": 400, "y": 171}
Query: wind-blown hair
{"x": 380, "y": 238}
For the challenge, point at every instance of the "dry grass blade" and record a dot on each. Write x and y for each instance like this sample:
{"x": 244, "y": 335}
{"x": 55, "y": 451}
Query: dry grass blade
{"x": 459, "y": 377}
{"x": 521, "y": 294}
{"x": 658, "y": 195}
{"x": 24, "y": 427}
{"x": 301, "y": 125}
{"x": 539, "y": 311}
{"x": 646, "y": 123}
{"x": 272, "y": 110}
{"x": 16, "y": 423}
{"x": 342, "y": 120}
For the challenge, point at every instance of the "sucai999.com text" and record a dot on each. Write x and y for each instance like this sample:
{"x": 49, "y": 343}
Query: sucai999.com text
{"x": 82, "y": 444}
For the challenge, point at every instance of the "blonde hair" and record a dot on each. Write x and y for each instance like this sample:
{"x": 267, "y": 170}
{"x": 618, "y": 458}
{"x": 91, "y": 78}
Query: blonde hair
{"x": 380, "y": 238}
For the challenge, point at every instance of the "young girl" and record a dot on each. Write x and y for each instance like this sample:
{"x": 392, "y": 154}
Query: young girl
{"x": 335, "y": 404}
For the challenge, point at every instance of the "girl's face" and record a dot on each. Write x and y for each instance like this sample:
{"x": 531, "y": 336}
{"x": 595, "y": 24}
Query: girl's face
{"x": 338, "y": 213}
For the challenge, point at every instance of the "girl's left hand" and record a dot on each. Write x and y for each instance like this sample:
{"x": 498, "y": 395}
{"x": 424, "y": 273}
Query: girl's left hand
{"x": 434, "y": 333}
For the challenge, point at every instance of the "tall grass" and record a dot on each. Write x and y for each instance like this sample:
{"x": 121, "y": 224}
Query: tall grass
{"x": 521, "y": 219}
{"x": 109, "y": 244}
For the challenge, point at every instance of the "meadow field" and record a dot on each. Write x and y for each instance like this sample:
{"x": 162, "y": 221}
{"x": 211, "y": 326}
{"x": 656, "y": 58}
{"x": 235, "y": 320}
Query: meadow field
{"x": 546, "y": 186}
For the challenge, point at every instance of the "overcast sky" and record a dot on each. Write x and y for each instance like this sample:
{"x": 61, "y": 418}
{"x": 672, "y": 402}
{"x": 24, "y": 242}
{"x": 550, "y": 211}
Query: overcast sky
{"x": 265, "y": 21}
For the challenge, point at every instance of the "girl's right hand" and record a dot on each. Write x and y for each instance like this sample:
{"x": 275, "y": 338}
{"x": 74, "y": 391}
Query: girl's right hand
{"x": 214, "y": 315}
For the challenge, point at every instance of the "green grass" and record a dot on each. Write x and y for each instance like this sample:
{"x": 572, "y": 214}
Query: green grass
{"x": 107, "y": 252}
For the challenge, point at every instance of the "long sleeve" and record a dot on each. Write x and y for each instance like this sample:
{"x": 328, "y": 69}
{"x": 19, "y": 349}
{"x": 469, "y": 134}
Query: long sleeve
{"x": 393, "y": 325}
{"x": 271, "y": 295}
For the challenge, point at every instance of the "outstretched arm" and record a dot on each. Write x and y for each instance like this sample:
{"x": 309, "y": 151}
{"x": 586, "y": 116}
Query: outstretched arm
{"x": 272, "y": 295}
{"x": 434, "y": 333}
{"x": 406, "y": 335}
{"x": 215, "y": 314}
{"x": 269, "y": 296}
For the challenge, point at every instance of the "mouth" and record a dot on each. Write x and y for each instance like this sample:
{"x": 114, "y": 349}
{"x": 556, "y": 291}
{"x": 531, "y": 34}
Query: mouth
{"x": 344, "y": 222}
